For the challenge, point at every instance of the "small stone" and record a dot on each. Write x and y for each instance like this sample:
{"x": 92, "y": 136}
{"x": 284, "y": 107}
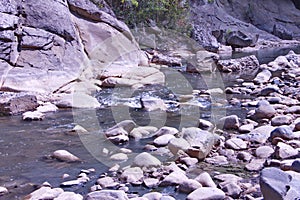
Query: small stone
{"x": 264, "y": 110}
{"x": 205, "y": 180}
{"x": 296, "y": 166}
{"x": 247, "y": 128}
{"x": 107, "y": 195}
{"x": 119, "y": 157}
{"x": 205, "y": 193}
{"x": 255, "y": 165}
{"x": 228, "y": 178}
{"x": 33, "y": 115}
{"x": 264, "y": 152}
{"x": 69, "y": 195}
{"x": 244, "y": 156}
{"x": 189, "y": 161}
{"x": 268, "y": 90}
{"x": 3, "y": 190}
{"x": 73, "y": 182}
{"x": 142, "y": 132}
{"x": 293, "y": 109}
{"x": 146, "y": 160}
{"x": 153, "y": 196}
{"x": 263, "y": 77}
{"x": 114, "y": 168}
{"x": 205, "y": 125}
{"x": 284, "y": 132}
{"x": 163, "y": 140}
{"x": 166, "y": 130}
{"x": 65, "y": 156}
{"x": 229, "y": 122}
{"x": 107, "y": 182}
{"x": 124, "y": 150}
{"x": 132, "y": 175}
{"x": 175, "y": 178}
{"x": 297, "y": 126}
{"x": 79, "y": 129}
{"x": 281, "y": 120}
{"x": 119, "y": 139}
{"x": 236, "y": 144}
{"x": 47, "y": 107}
{"x": 151, "y": 182}
{"x": 45, "y": 193}
{"x": 232, "y": 189}
{"x": 189, "y": 186}
{"x": 217, "y": 160}
{"x": 167, "y": 198}
{"x": 285, "y": 151}
{"x": 177, "y": 144}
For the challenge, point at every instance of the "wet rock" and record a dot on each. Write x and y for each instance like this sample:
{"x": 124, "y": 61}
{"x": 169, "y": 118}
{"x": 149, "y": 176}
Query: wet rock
{"x": 293, "y": 110}
{"x": 45, "y": 193}
{"x": 79, "y": 129}
{"x": 236, "y": 144}
{"x": 119, "y": 157}
{"x": 3, "y": 190}
{"x": 166, "y": 60}
{"x": 175, "y": 178}
{"x": 205, "y": 125}
{"x": 284, "y": 132}
{"x": 107, "y": 194}
{"x": 264, "y": 151}
{"x": 246, "y": 128}
{"x": 122, "y": 128}
{"x": 153, "y": 196}
{"x": 163, "y": 140}
{"x": 11, "y": 103}
{"x": 232, "y": 189}
{"x": 118, "y": 139}
{"x": 188, "y": 161}
{"x": 201, "y": 142}
{"x": 262, "y": 77}
{"x": 264, "y": 110}
{"x": 142, "y": 132}
{"x": 69, "y": 195}
{"x": 274, "y": 100}
{"x": 71, "y": 183}
{"x": 152, "y": 104}
{"x": 47, "y": 107}
{"x": 229, "y": 122}
{"x": 132, "y": 175}
{"x": 33, "y": 115}
{"x": 151, "y": 182}
{"x": 276, "y": 185}
{"x": 205, "y": 193}
{"x": 255, "y": 165}
{"x": 205, "y": 180}
{"x": 285, "y": 151}
{"x": 296, "y": 166}
{"x": 281, "y": 120}
{"x": 239, "y": 64}
{"x": 166, "y": 130}
{"x": 177, "y": 144}
{"x": 189, "y": 185}
{"x": 268, "y": 90}
{"x": 146, "y": 160}
{"x": 65, "y": 156}
{"x": 107, "y": 182}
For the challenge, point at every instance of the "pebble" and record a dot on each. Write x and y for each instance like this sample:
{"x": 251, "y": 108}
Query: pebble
{"x": 205, "y": 180}
{"x": 246, "y": 128}
{"x": 189, "y": 185}
{"x": 228, "y": 177}
{"x": 45, "y": 193}
{"x": 175, "y": 178}
{"x": 255, "y": 165}
{"x": 65, "y": 156}
{"x": 146, "y": 160}
{"x": 236, "y": 144}
{"x": 163, "y": 140}
{"x": 153, "y": 196}
{"x": 151, "y": 182}
{"x": 177, "y": 144}
{"x": 107, "y": 182}
{"x": 264, "y": 151}
{"x": 107, "y": 194}
{"x": 229, "y": 122}
{"x": 69, "y": 195}
{"x": 281, "y": 120}
{"x": 205, "y": 125}
{"x": 189, "y": 161}
{"x": 33, "y": 115}
{"x": 284, "y": 132}
{"x": 232, "y": 189}
{"x": 205, "y": 193}
{"x": 166, "y": 130}
{"x": 285, "y": 151}
{"x": 217, "y": 160}
{"x": 119, "y": 157}
{"x": 244, "y": 156}
{"x": 132, "y": 175}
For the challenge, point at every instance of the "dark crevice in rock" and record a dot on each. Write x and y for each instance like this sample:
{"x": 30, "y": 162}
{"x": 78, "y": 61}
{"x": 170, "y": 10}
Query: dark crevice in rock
{"x": 297, "y": 4}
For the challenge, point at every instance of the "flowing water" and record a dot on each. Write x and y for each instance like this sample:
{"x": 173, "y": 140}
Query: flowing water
{"x": 25, "y": 146}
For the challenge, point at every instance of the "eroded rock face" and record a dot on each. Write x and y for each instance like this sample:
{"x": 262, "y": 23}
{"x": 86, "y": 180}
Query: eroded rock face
{"x": 49, "y": 48}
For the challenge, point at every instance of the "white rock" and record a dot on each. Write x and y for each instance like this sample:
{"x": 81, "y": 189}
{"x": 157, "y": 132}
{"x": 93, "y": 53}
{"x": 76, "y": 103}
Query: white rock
{"x": 3, "y": 190}
{"x": 236, "y": 144}
{"x": 177, "y": 144}
{"x": 107, "y": 182}
{"x": 47, "y": 107}
{"x": 45, "y": 193}
{"x": 107, "y": 195}
{"x": 206, "y": 193}
{"x": 119, "y": 157}
{"x": 65, "y": 156}
{"x": 146, "y": 160}
{"x": 163, "y": 140}
{"x": 69, "y": 196}
{"x": 33, "y": 115}
{"x": 132, "y": 175}
{"x": 205, "y": 180}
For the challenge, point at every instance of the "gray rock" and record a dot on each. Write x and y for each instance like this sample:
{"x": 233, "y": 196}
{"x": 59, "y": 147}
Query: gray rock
{"x": 166, "y": 130}
{"x": 146, "y": 160}
{"x": 76, "y": 182}
{"x": 175, "y": 178}
{"x": 236, "y": 144}
{"x": 177, "y": 144}
{"x": 152, "y": 104}
{"x": 189, "y": 186}
{"x": 153, "y": 196}
{"x": 119, "y": 157}
{"x": 69, "y": 195}
{"x": 264, "y": 151}
{"x": 255, "y": 165}
{"x": 259, "y": 135}
{"x": 228, "y": 178}
{"x": 142, "y": 132}
{"x": 12, "y": 103}
{"x": 229, "y": 122}
{"x": 232, "y": 189}
{"x": 126, "y": 125}
{"x": 284, "y": 132}
{"x": 293, "y": 109}
{"x": 119, "y": 139}
{"x": 205, "y": 125}
{"x": 281, "y": 120}
{"x": 107, "y": 195}
{"x": 285, "y": 151}
{"x": 8, "y": 21}
{"x": 188, "y": 161}
{"x": 274, "y": 183}
{"x": 45, "y": 193}
{"x": 297, "y": 126}
{"x": 65, "y": 156}
{"x": 206, "y": 193}
{"x": 163, "y": 140}
{"x": 262, "y": 77}
{"x": 268, "y": 90}
{"x": 239, "y": 64}
{"x": 132, "y": 175}
{"x": 246, "y": 128}
{"x": 217, "y": 160}
{"x": 244, "y": 156}
{"x": 201, "y": 142}
{"x": 264, "y": 110}
{"x": 151, "y": 182}
{"x": 296, "y": 166}
{"x": 205, "y": 180}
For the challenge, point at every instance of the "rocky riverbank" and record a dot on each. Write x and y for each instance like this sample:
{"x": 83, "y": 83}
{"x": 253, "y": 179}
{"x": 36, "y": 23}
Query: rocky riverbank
{"x": 259, "y": 153}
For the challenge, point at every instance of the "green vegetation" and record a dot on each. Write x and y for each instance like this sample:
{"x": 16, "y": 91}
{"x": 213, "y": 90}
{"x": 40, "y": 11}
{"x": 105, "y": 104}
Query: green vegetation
{"x": 170, "y": 14}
